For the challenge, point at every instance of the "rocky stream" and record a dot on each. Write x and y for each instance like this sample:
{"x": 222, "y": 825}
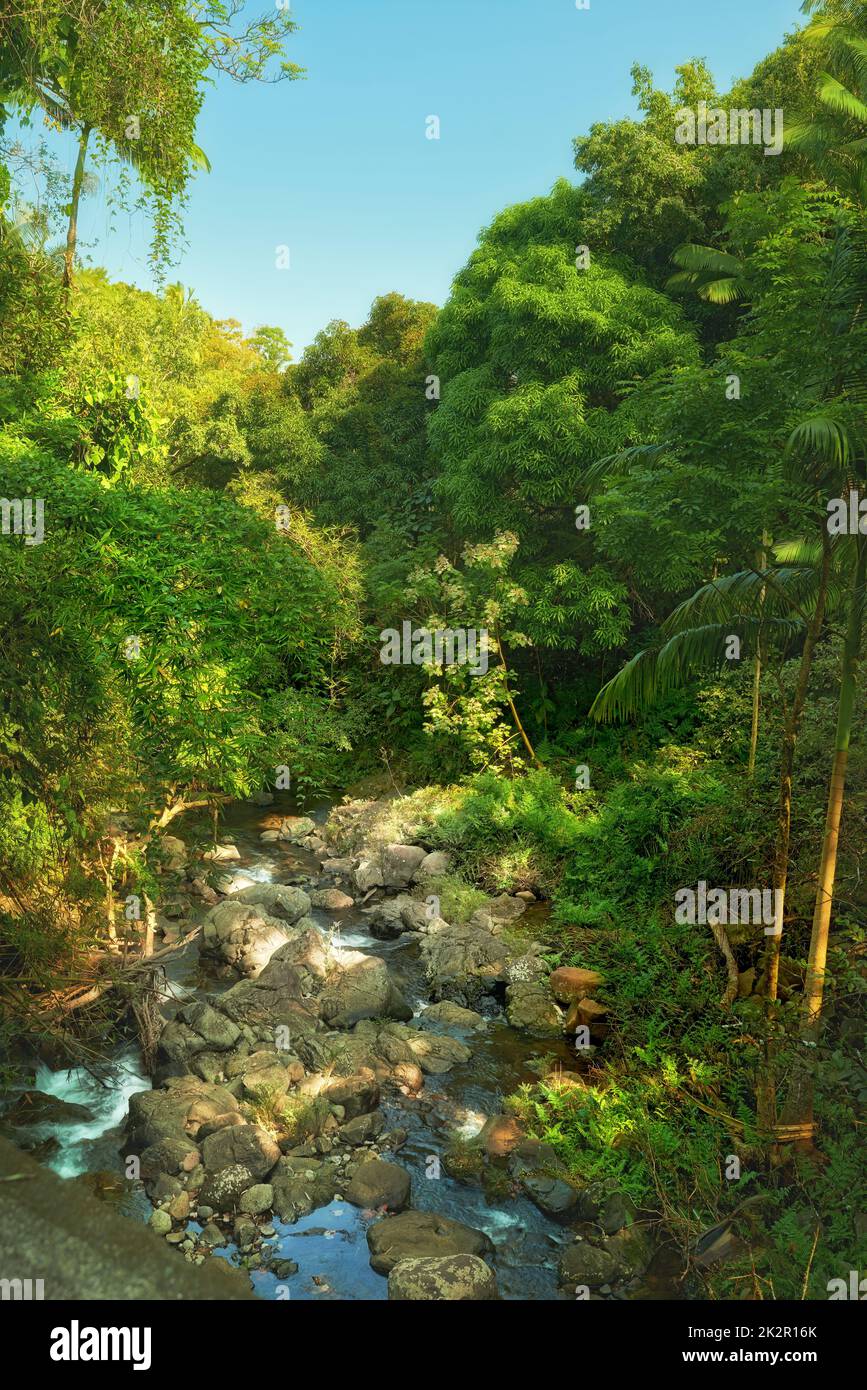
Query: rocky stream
{"x": 325, "y": 1112}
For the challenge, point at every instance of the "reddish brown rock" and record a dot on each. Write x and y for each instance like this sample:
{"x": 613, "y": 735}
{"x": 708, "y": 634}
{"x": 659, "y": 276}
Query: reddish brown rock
{"x": 568, "y": 983}
{"x": 500, "y": 1135}
{"x": 586, "y": 1013}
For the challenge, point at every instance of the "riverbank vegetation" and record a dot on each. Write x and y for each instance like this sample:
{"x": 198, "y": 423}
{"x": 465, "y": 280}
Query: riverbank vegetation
{"x": 613, "y": 450}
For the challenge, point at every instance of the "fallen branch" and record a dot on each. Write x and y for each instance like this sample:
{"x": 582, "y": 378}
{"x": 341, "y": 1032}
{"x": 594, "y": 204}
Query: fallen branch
{"x": 722, "y": 941}
{"x": 78, "y": 999}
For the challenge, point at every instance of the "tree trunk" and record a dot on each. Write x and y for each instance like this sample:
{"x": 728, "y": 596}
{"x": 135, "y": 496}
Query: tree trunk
{"x": 800, "y": 1105}
{"x": 75, "y": 199}
{"x": 757, "y": 673}
{"x": 787, "y": 763}
{"x": 521, "y": 730}
{"x": 766, "y": 1103}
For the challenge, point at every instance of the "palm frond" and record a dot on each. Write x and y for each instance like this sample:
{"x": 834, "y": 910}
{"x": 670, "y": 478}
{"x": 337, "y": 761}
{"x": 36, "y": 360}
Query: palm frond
{"x": 760, "y": 594}
{"x": 653, "y": 673}
{"x": 825, "y": 435}
{"x": 833, "y": 95}
{"x": 696, "y": 258}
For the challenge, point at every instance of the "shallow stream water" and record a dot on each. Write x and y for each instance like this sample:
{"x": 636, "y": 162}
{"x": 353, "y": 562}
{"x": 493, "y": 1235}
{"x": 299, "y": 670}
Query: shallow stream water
{"x": 329, "y": 1245}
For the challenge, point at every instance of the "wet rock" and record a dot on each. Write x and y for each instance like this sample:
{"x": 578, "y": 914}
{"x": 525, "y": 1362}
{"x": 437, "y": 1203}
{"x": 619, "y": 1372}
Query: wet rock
{"x": 632, "y": 1249}
{"x": 280, "y": 900}
{"x": 341, "y": 867}
{"x": 222, "y": 854}
{"x": 180, "y": 1110}
{"x": 31, "y": 1108}
{"x": 331, "y": 899}
{"x": 379, "y": 1184}
{"x": 161, "y": 1222}
{"x": 240, "y": 1144}
{"x": 163, "y": 1188}
{"x": 529, "y": 1006}
{"x": 433, "y": 1052}
{"x": 409, "y": 1076}
{"x": 179, "y": 1207}
{"x": 242, "y": 935}
{"x": 174, "y": 853}
{"x": 261, "y": 1081}
{"x": 217, "y": 1032}
{"x": 582, "y": 1264}
{"x": 453, "y": 1278}
{"x": 245, "y": 1231}
{"x": 224, "y": 1189}
{"x": 536, "y": 1166}
{"x": 203, "y": 890}
{"x": 300, "y": 1185}
{"x": 500, "y": 1135}
{"x": 616, "y": 1210}
{"x": 450, "y": 1015}
{"x": 212, "y": 1235}
{"x": 362, "y": 1129}
{"x": 359, "y": 986}
{"x": 568, "y": 983}
{"x": 498, "y": 912}
{"x": 356, "y": 1095}
{"x": 294, "y": 829}
{"x": 257, "y": 1199}
{"x": 462, "y": 963}
{"x": 417, "y": 1234}
{"x": 368, "y": 875}
{"x": 390, "y": 918}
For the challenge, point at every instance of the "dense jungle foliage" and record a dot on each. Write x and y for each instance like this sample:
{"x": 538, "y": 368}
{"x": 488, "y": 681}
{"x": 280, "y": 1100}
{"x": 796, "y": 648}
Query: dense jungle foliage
{"x": 613, "y": 449}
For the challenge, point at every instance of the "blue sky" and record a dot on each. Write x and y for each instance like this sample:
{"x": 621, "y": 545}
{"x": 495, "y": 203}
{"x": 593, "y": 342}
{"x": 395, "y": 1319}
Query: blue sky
{"x": 337, "y": 166}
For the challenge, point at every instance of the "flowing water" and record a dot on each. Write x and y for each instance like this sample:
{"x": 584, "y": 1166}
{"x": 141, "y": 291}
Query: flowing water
{"x": 329, "y": 1245}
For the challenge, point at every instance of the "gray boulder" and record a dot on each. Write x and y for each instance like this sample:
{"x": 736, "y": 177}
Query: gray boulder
{"x": 243, "y": 935}
{"x": 536, "y": 1166}
{"x": 400, "y": 864}
{"x": 433, "y": 865}
{"x": 530, "y": 1006}
{"x": 378, "y": 1184}
{"x": 416, "y": 1234}
{"x": 586, "y": 1265}
{"x": 240, "y": 1144}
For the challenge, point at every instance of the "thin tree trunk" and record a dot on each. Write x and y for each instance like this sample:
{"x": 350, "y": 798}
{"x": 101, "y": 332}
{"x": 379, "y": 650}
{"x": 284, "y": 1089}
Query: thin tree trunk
{"x": 757, "y": 673}
{"x": 75, "y": 199}
{"x": 150, "y": 923}
{"x": 528, "y": 745}
{"x": 754, "y": 730}
{"x": 787, "y": 763}
{"x": 766, "y": 1103}
{"x": 800, "y": 1105}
